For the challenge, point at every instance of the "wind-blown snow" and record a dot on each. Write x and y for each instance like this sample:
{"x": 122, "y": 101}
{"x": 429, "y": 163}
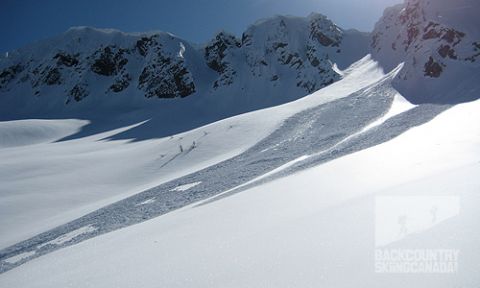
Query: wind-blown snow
{"x": 81, "y": 175}
{"x": 308, "y": 229}
{"x": 399, "y": 105}
{"x": 185, "y": 187}
{"x": 127, "y": 199}
{"x": 69, "y": 236}
{"x": 19, "y": 257}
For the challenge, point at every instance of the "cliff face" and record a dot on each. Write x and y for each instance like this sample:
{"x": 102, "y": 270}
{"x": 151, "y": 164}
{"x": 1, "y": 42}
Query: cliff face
{"x": 439, "y": 44}
{"x": 94, "y": 66}
{"x": 276, "y": 60}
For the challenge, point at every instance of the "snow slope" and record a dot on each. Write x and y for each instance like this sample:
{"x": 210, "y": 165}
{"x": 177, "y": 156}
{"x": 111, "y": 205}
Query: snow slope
{"x": 34, "y": 131}
{"x": 117, "y": 192}
{"x": 80, "y": 175}
{"x": 309, "y": 229}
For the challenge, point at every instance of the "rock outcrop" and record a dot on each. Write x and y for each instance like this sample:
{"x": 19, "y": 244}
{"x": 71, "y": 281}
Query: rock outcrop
{"x": 275, "y": 60}
{"x": 436, "y": 43}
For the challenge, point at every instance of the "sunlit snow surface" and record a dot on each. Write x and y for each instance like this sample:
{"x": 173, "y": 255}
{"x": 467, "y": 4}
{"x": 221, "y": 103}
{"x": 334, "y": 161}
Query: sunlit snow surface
{"x": 305, "y": 217}
{"x": 81, "y": 175}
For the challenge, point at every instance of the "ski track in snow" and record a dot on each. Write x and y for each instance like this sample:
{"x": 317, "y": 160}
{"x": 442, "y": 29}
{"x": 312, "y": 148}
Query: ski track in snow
{"x": 324, "y": 133}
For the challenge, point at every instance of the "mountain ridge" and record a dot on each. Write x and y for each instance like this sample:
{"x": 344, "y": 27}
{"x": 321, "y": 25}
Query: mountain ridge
{"x": 288, "y": 57}
{"x": 438, "y": 45}
{"x": 276, "y": 60}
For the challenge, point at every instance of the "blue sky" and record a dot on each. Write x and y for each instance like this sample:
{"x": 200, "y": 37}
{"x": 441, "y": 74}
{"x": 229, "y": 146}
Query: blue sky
{"x": 25, "y": 21}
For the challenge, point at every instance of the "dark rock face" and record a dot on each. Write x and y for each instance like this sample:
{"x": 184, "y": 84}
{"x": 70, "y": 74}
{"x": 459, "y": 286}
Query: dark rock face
{"x": 430, "y": 31}
{"x": 78, "y": 92}
{"x": 163, "y": 75}
{"x": 453, "y": 36}
{"x": 412, "y": 13}
{"x": 433, "y": 69}
{"x": 216, "y": 55}
{"x": 436, "y": 47}
{"x": 446, "y": 50}
{"x": 324, "y": 31}
{"x": 121, "y": 84}
{"x": 66, "y": 59}
{"x": 53, "y": 77}
{"x": 215, "y": 51}
{"x": 246, "y": 39}
{"x": 109, "y": 61}
{"x": 423, "y": 38}
{"x": 8, "y": 74}
{"x": 166, "y": 78}
{"x": 324, "y": 40}
{"x": 161, "y": 65}
{"x": 184, "y": 85}
{"x": 412, "y": 33}
{"x": 437, "y": 31}
{"x": 275, "y": 47}
{"x": 476, "y": 51}
{"x": 144, "y": 44}
{"x": 46, "y": 75}
{"x": 312, "y": 56}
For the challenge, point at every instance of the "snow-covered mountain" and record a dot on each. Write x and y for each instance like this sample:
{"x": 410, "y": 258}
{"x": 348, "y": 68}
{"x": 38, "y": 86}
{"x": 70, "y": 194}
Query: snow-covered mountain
{"x": 275, "y": 61}
{"x": 439, "y": 42}
{"x": 285, "y": 196}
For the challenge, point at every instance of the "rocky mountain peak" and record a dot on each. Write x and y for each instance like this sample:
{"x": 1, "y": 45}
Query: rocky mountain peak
{"x": 432, "y": 42}
{"x": 324, "y": 30}
{"x": 275, "y": 60}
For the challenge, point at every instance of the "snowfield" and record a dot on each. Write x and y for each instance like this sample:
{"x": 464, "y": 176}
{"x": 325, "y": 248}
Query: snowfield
{"x": 279, "y": 197}
{"x": 36, "y": 131}
{"x": 143, "y": 160}
{"x": 308, "y": 229}
{"x": 79, "y": 176}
